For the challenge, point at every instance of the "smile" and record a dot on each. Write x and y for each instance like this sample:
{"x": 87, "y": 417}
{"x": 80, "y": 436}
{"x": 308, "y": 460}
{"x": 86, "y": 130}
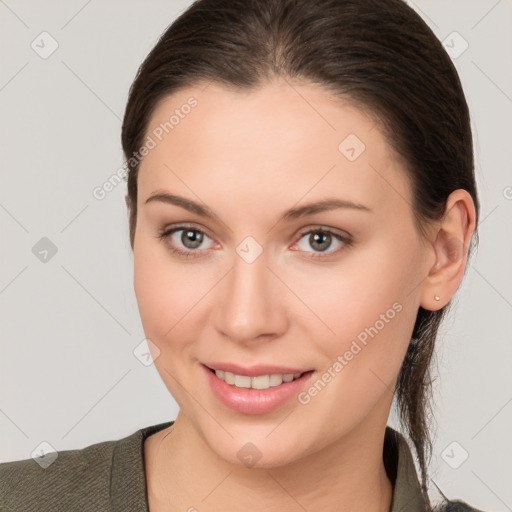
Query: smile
{"x": 261, "y": 392}
{"x": 256, "y": 382}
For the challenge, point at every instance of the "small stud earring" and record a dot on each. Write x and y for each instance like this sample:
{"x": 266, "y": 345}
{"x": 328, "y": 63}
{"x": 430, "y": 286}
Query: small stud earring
{"x": 436, "y": 297}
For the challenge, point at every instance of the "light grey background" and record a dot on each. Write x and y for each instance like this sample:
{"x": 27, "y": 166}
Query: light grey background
{"x": 70, "y": 325}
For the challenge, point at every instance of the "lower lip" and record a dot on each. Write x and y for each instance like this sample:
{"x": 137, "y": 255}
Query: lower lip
{"x": 255, "y": 401}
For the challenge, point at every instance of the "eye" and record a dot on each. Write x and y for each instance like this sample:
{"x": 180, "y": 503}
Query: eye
{"x": 187, "y": 240}
{"x": 321, "y": 239}
{"x": 190, "y": 239}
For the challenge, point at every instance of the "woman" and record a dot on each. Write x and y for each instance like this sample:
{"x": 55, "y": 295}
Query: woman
{"x": 302, "y": 205}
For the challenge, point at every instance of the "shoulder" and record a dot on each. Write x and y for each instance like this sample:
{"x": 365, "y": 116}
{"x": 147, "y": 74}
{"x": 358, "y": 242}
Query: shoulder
{"x": 444, "y": 504}
{"x": 454, "y": 506}
{"x": 69, "y": 478}
{"x": 407, "y": 492}
{"x": 103, "y": 476}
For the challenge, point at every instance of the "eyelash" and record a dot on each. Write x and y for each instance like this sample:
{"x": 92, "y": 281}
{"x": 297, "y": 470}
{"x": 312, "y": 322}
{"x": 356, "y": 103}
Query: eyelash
{"x": 167, "y": 232}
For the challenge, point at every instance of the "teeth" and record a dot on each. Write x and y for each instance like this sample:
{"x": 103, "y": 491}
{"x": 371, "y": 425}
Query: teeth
{"x": 258, "y": 382}
{"x": 242, "y": 381}
{"x": 275, "y": 380}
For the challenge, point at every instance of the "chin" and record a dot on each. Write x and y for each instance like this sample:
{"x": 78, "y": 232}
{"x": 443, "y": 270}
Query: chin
{"x": 257, "y": 452}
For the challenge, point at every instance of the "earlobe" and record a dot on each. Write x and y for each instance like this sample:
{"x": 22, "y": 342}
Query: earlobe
{"x": 450, "y": 243}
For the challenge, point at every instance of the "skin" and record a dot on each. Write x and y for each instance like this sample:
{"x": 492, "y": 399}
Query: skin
{"x": 249, "y": 156}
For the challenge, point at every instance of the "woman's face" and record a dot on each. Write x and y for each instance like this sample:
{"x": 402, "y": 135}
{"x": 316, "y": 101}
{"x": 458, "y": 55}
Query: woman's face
{"x": 266, "y": 286}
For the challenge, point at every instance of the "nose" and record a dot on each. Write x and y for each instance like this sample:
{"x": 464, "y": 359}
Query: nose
{"x": 251, "y": 302}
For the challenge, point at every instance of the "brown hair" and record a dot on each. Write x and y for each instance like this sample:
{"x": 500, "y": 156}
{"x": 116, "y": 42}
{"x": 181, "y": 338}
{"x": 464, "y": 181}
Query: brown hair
{"x": 380, "y": 55}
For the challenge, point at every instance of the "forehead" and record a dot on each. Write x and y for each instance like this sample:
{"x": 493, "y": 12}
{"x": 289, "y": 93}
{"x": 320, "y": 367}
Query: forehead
{"x": 280, "y": 140}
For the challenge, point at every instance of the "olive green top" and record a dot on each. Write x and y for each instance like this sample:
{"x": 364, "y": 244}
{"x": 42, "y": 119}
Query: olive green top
{"x": 109, "y": 476}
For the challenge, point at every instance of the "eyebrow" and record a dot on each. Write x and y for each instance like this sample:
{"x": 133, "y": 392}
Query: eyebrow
{"x": 291, "y": 214}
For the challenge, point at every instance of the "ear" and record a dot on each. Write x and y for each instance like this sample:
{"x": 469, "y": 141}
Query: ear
{"x": 450, "y": 242}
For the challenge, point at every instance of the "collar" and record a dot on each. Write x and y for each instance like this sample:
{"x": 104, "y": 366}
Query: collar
{"x": 407, "y": 496}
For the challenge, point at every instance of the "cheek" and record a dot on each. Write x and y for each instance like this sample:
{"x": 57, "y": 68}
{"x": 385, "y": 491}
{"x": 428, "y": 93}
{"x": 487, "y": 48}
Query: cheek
{"x": 366, "y": 312}
{"x": 164, "y": 291}
{"x": 168, "y": 298}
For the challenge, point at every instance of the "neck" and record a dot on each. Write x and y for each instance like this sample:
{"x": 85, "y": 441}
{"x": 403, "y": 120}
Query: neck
{"x": 183, "y": 471}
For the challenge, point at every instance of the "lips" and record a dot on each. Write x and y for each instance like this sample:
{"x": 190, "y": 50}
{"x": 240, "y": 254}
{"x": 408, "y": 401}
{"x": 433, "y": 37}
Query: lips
{"x": 252, "y": 400}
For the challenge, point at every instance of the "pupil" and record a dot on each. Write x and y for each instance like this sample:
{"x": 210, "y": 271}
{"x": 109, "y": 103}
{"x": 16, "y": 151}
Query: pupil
{"x": 321, "y": 239}
{"x": 192, "y": 237}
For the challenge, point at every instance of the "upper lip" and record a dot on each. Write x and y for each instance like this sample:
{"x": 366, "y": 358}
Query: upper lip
{"x": 253, "y": 371}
